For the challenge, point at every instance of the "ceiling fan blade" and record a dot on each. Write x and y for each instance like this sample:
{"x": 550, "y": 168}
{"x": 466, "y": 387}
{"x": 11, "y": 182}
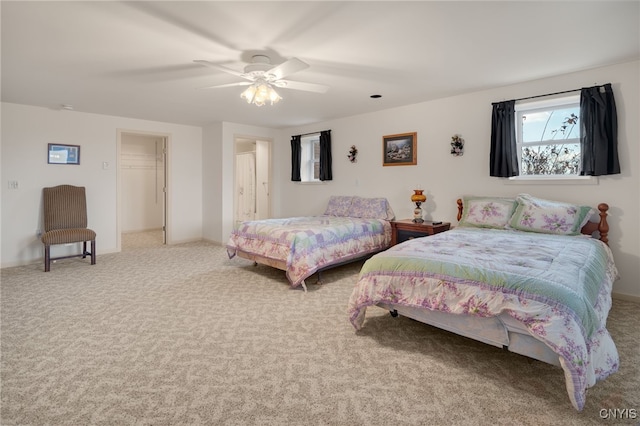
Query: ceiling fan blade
{"x": 299, "y": 85}
{"x": 220, "y": 68}
{"x": 241, "y": 83}
{"x": 289, "y": 67}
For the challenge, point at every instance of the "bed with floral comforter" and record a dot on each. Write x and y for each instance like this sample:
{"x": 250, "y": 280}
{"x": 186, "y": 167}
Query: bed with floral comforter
{"x": 350, "y": 229}
{"x": 557, "y": 288}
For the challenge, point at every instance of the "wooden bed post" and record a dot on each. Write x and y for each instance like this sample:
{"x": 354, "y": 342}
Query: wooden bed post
{"x": 459, "y": 208}
{"x": 603, "y": 226}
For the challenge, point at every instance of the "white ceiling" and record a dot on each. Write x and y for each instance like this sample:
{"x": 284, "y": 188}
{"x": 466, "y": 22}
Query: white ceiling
{"x": 135, "y": 59}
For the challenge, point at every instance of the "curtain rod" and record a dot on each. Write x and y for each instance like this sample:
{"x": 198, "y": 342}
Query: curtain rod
{"x": 548, "y": 94}
{"x": 313, "y": 133}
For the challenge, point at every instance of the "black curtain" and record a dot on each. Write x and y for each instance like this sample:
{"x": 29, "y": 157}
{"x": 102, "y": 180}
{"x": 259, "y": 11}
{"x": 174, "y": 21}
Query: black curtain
{"x": 296, "y": 153}
{"x": 504, "y": 154}
{"x": 599, "y": 141}
{"x": 325, "y": 156}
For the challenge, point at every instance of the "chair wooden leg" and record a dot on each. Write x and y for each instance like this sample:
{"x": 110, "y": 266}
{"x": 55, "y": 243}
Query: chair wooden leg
{"x": 47, "y": 258}
{"x": 93, "y": 252}
{"x": 84, "y": 249}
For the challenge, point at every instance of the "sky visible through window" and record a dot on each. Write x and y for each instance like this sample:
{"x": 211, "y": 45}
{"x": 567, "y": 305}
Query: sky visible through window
{"x": 547, "y": 125}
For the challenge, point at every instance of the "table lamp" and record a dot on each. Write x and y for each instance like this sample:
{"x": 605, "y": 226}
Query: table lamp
{"x": 418, "y": 198}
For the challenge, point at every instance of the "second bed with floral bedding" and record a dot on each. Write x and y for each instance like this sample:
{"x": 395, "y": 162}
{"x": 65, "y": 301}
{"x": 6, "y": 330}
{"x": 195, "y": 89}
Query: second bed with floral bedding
{"x": 351, "y": 228}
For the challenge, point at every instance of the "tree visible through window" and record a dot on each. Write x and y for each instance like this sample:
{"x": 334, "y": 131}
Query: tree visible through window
{"x": 548, "y": 137}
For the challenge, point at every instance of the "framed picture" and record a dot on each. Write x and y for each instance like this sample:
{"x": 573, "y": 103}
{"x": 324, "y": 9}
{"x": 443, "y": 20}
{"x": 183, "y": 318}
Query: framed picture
{"x": 400, "y": 150}
{"x": 63, "y": 154}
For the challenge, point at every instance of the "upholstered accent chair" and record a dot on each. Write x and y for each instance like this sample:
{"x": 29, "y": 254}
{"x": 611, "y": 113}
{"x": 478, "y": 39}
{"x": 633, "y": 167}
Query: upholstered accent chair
{"x": 65, "y": 221}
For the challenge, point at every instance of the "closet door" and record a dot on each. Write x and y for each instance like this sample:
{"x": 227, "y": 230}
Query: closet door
{"x": 263, "y": 184}
{"x": 245, "y": 189}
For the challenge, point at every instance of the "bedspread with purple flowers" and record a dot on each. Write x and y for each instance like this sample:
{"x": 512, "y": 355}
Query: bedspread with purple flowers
{"x": 308, "y": 244}
{"x": 558, "y": 287}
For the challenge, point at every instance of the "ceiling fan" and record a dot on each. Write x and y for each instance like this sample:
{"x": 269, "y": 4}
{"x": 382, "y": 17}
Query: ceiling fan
{"x": 262, "y": 76}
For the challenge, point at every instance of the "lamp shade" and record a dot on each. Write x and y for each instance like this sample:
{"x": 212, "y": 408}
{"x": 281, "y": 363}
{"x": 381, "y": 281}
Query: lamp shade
{"x": 418, "y": 196}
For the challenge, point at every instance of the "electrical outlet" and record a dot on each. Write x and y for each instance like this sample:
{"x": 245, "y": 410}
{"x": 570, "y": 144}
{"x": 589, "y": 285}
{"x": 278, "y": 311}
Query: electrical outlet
{"x": 38, "y": 233}
{"x": 13, "y": 184}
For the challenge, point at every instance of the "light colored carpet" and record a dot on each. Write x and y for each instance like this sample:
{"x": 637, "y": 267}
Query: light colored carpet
{"x": 144, "y": 239}
{"x": 182, "y": 335}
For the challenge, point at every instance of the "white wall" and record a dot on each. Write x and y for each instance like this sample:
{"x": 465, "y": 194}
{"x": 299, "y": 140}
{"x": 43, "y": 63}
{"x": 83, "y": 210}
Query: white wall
{"x": 201, "y": 167}
{"x": 445, "y": 177}
{"x": 26, "y": 130}
{"x": 212, "y": 201}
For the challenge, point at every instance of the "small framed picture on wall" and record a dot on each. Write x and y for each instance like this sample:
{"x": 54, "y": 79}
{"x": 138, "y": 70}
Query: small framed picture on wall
{"x": 400, "y": 149}
{"x": 63, "y": 154}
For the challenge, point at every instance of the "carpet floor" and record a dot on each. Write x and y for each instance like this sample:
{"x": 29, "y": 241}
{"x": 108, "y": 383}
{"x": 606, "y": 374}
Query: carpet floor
{"x": 183, "y": 335}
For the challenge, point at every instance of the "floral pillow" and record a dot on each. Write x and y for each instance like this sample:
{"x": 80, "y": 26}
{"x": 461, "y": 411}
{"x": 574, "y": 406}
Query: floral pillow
{"x": 487, "y": 212}
{"x": 371, "y": 208}
{"x": 549, "y": 217}
{"x": 339, "y": 205}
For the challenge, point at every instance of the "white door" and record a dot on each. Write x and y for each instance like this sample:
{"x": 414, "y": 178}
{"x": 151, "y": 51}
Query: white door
{"x": 263, "y": 183}
{"x": 252, "y": 181}
{"x": 245, "y": 186}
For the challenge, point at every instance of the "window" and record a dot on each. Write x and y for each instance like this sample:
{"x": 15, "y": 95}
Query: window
{"x": 310, "y": 158}
{"x": 544, "y": 139}
{"x": 548, "y": 137}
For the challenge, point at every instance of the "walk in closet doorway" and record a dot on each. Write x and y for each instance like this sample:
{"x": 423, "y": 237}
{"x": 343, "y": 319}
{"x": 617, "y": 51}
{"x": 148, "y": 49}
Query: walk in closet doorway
{"x": 142, "y": 190}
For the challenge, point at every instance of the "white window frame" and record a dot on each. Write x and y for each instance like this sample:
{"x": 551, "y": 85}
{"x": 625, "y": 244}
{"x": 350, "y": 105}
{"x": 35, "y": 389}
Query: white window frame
{"x": 308, "y": 159}
{"x": 542, "y": 105}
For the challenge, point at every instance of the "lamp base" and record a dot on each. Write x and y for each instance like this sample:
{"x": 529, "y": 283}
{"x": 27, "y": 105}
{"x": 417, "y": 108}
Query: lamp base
{"x": 417, "y": 213}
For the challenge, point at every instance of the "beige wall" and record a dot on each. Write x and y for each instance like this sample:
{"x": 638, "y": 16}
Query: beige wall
{"x": 26, "y": 130}
{"x": 201, "y": 167}
{"x": 446, "y": 178}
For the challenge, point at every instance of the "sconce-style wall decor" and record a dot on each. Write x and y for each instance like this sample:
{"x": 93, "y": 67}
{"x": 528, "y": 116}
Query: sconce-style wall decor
{"x": 457, "y": 145}
{"x": 353, "y": 153}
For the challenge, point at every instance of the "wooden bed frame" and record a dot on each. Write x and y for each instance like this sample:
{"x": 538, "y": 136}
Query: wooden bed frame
{"x": 282, "y": 265}
{"x": 501, "y": 331}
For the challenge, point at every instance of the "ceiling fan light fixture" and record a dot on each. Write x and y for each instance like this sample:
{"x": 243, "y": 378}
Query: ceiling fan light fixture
{"x": 264, "y": 78}
{"x": 249, "y": 93}
{"x": 260, "y": 93}
{"x": 274, "y": 97}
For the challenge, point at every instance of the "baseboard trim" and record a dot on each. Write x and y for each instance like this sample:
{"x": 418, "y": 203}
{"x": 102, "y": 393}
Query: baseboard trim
{"x": 627, "y": 297}
{"x": 215, "y": 243}
{"x": 137, "y": 231}
{"x": 185, "y": 241}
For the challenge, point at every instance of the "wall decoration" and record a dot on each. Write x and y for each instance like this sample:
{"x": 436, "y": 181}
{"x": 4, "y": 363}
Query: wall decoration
{"x": 63, "y": 154}
{"x": 353, "y": 153}
{"x": 457, "y": 145}
{"x": 400, "y": 149}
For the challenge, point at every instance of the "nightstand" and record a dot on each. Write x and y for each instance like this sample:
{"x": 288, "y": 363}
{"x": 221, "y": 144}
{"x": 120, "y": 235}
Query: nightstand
{"x": 407, "y": 229}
